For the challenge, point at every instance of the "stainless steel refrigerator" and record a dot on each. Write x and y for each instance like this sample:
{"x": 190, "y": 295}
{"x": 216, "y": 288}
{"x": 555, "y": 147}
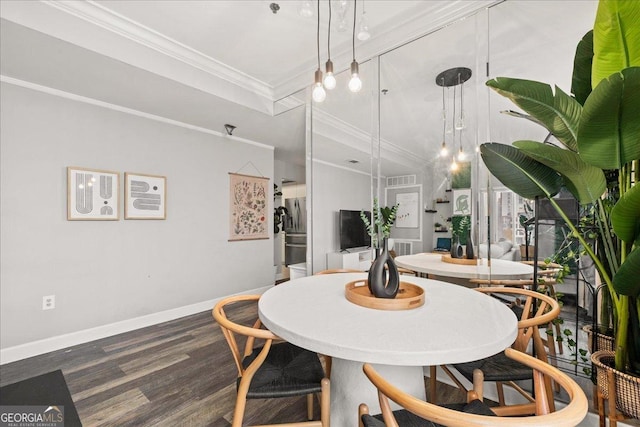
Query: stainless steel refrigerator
{"x": 295, "y": 227}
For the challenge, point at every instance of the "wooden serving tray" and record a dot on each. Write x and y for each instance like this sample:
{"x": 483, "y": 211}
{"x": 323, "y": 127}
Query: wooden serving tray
{"x": 409, "y": 296}
{"x": 463, "y": 261}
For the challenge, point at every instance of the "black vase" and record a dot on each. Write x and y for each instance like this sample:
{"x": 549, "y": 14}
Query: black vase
{"x": 378, "y": 284}
{"x": 456, "y": 248}
{"x": 469, "y": 247}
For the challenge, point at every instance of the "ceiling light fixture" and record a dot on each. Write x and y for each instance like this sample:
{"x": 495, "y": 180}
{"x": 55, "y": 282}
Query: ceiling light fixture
{"x": 355, "y": 84}
{"x": 363, "y": 28}
{"x": 318, "y": 93}
{"x": 329, "y": 78}
{"x": 448, "y": 78}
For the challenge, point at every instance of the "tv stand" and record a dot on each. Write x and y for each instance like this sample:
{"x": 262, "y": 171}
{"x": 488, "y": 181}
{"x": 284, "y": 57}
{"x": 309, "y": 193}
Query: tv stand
{"x": 355, "y": 259}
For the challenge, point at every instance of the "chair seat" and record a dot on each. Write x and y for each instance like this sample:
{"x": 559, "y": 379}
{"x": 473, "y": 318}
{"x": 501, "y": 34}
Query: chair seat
{"x": 287, "y": 371}
{"x": 408, "y": 419}
{"x": 496, "y": 368}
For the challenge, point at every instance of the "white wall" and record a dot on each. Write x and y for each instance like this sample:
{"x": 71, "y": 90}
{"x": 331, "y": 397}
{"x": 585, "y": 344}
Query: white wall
{"x": 334, "y": 188}
{"x": 103, "y": 272}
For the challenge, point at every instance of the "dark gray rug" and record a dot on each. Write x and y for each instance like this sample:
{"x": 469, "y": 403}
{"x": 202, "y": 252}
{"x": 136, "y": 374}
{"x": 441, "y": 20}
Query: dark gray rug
{"x": 48, "y": 390}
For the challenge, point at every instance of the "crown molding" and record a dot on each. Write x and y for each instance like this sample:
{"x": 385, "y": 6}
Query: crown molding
{"x": 93, "y": 27}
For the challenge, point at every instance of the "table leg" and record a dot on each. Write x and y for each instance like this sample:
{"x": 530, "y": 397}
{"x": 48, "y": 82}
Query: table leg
{"x": 350, "y": 387}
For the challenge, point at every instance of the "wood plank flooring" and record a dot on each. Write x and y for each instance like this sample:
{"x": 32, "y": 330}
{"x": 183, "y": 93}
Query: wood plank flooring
{"x": 178, "y": 373}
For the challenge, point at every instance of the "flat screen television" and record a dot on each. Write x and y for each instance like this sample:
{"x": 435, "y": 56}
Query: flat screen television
{"x": 353, "y": 232}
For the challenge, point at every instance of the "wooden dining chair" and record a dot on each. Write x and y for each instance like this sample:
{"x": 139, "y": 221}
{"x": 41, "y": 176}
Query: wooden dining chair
{"x": 474, "y": 412}
{"x": 534, "y": 310}
{"x": 544, "y": 284}
{"x": 269, "y": 367}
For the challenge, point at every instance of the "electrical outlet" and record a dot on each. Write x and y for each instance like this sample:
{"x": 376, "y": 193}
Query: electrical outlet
{"x": 49, "y": 302}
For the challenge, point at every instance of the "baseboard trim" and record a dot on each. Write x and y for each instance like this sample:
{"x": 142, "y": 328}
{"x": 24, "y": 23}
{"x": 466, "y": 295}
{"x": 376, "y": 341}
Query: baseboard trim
{"x": 510, "y": 395}
{"x": 35, "y": 348}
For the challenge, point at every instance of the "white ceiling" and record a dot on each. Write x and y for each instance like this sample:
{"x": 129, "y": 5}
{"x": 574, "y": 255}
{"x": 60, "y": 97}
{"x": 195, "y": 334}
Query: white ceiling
{"x": 205, "y": 63}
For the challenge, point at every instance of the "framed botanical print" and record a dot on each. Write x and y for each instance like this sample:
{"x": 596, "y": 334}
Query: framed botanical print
{"x": 145, "y": 196}
{"x": 92, "y": 194}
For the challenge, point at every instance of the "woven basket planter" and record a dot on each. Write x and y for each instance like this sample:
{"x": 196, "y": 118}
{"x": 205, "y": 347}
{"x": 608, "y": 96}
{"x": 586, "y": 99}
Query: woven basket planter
{"x": 627, "y": 387}
{"x": 603, "y": 341}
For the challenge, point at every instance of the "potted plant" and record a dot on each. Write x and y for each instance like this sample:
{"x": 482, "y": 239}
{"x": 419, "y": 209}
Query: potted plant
{"x": 383, "y": 219}
{"x": 599, "y": 162}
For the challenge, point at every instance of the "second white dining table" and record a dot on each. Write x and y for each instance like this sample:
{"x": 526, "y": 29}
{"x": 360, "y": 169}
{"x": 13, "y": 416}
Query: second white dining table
{"x": 433, "y": 265}
{"x": 455, "y": 325}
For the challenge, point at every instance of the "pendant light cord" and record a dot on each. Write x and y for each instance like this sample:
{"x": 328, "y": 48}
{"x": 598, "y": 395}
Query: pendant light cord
{"x": 353, "y": 37}
{"x": 329, "y": 32}
{"x": 444, "y": 114}
{"x": 318, "y": 35}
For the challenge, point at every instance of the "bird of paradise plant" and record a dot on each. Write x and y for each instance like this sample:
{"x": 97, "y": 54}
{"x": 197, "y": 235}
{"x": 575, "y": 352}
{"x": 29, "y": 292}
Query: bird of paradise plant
{"x": 596, "y": 158}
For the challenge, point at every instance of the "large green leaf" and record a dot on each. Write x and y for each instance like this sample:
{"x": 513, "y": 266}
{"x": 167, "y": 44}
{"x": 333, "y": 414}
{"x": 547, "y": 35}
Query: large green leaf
{"x": 626, "y": 282}
{"x": 560, "y": 114}
{"x": 520, "y": 173}
{"x": 616, "y": 38}
{"x": 581, "y": 81}
{"x": 586, "y": 182}
{"x": 625, "y": 215}
{"x": 609, "y": 131}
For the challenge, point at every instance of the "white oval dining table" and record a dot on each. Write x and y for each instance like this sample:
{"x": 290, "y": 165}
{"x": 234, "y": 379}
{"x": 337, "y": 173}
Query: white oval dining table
{"x": 455, "y": 325}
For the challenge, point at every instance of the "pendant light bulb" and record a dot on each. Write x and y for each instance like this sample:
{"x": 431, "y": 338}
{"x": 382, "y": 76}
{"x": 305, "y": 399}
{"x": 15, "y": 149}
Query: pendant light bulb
{"x": 355, "y": 84}
{"x": 443, "y": 150}
{"x": 454, "y": 165}
{"x": 363, "y": 29}
{"x": 461, "y": 155}
{"x": 329, "y": 78}
{"x": 318, "y": 93}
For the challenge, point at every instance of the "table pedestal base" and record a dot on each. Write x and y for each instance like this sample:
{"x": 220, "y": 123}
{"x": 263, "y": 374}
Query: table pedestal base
{"x": 350, "y": 387}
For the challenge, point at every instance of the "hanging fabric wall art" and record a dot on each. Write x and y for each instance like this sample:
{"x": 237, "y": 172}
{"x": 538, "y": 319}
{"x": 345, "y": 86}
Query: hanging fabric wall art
{"x": 248, "y": 219}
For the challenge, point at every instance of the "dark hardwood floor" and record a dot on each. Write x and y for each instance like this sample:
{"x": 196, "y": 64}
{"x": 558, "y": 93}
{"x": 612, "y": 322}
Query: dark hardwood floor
{"x": 178, "y": 373}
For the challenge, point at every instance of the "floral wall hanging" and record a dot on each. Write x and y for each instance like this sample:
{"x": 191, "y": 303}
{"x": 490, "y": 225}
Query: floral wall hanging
{"x": 248, "y": 219}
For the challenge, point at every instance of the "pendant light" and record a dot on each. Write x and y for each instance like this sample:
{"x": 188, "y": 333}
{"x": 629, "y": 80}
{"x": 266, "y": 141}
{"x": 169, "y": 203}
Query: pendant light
{"x": 454, "y": 165}
{"x": 363, "y": 28}
{"x": 448, "y": 78}
{"x": 443, "y": 149}
{"x": 355, "y": 84}
{"x": 318, "y": 93}
{"x": 329, "y": 78}
{"x": 460, "y": 124}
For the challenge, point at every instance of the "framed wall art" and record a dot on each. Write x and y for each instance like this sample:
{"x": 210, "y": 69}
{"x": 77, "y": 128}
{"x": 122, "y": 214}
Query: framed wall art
{"x": 408, "y": 211}
{"x": 145, "y": 196}
{"x": 92, "y": 194}
{"x": 248, "y": 218}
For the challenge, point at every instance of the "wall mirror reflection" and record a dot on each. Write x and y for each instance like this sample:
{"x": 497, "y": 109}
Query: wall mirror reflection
{"x": 395, "y": 129}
